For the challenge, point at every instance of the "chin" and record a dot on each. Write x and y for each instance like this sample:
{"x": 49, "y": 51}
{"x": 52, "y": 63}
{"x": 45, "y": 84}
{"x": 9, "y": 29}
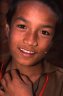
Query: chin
{"x": 25, "y": 62}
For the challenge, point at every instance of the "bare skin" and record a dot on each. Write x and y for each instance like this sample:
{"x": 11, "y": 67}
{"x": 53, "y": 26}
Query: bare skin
{"x": 18, "y": 86}
{"x": 30, "y": 36}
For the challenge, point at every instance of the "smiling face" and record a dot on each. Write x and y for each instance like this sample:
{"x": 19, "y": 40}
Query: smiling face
{"x": 31, "y": 32}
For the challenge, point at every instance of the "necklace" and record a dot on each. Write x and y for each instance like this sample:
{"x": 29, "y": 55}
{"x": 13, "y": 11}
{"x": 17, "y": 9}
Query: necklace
{"x": 44, "y": 86}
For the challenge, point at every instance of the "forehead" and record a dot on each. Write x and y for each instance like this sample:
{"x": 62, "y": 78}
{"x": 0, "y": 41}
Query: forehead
{"x": 37, "y": 5}
{"x": 35, "y": 10}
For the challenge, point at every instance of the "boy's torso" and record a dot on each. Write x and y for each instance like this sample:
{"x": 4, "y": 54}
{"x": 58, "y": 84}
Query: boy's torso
{"x": 50, "y": 81}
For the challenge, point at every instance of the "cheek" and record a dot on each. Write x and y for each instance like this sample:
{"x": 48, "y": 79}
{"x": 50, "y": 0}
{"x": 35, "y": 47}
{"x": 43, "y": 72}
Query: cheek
{"x": 15, "y": 37}
{"x": 13, "y": 40}
{"x": 44, "y": 45}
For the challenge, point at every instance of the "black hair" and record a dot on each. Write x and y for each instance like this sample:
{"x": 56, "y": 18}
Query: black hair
{"x": 51, "y": 3}
{"x": 56, "y": 8}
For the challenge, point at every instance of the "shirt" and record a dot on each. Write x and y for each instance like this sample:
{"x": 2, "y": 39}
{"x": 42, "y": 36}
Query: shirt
{"x": 54, "y": 76}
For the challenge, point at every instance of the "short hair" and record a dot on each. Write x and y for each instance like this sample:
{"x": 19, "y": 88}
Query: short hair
{"x": 51, "y": 3}
{"x": 56, "y": 8}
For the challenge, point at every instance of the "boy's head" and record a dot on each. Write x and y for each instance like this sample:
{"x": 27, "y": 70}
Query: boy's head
{"x": 50, "y": 3}
{"x": 32, "y": 26}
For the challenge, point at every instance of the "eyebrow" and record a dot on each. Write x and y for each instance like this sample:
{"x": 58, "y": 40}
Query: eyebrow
{"x": 23, "y": 19}
{"x": 48, "y": 26}
{"x": 43, "y": 26}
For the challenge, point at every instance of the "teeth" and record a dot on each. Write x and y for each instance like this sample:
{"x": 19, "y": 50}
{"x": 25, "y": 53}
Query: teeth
{"x": 26, "y": 51}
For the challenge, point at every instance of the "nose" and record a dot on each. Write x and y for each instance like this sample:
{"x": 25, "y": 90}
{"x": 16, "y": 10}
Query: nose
{"x": 30, "y": 39}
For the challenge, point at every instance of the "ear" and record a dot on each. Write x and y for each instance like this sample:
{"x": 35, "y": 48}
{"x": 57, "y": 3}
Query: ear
{"x": 7, "y": 30}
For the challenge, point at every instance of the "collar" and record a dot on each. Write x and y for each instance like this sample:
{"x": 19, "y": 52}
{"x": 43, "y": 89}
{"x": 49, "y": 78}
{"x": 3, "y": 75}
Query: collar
{"x": 46, "y": 67}
{"x": 49, "y": 68}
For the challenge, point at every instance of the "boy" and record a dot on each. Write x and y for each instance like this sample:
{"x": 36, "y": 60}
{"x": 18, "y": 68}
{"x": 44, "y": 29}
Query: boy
{"x": 30, "y": 31}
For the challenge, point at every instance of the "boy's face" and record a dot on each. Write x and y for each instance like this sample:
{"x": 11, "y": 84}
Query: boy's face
{"x": 31, "y": 32}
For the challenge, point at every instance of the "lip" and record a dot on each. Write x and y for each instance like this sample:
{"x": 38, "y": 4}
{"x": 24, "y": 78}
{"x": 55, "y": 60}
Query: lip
{"x": 26, "y": 52}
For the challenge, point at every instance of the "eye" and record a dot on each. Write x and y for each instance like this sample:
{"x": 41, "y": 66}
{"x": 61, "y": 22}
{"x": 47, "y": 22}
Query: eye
{"x": 44, "y": 32}
{"x": 21, "y": 26}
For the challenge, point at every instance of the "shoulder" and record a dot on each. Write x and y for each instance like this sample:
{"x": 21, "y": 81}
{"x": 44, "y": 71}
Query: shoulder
{"x": 60, "y": 69}
{"x": 54, "y": 70}
{"x": 59, "y": 72}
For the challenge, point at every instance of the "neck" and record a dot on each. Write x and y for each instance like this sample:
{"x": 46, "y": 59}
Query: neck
{"x": 33, "y": 72}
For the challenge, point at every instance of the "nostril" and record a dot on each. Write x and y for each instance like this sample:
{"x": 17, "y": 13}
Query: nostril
{"x": 31, "y": 38}
{"x": 30, "y": 41}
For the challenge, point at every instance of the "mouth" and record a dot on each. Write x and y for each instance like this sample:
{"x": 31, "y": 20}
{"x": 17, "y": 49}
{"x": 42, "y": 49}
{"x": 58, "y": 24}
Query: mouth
{"x": 26, "y": 52}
